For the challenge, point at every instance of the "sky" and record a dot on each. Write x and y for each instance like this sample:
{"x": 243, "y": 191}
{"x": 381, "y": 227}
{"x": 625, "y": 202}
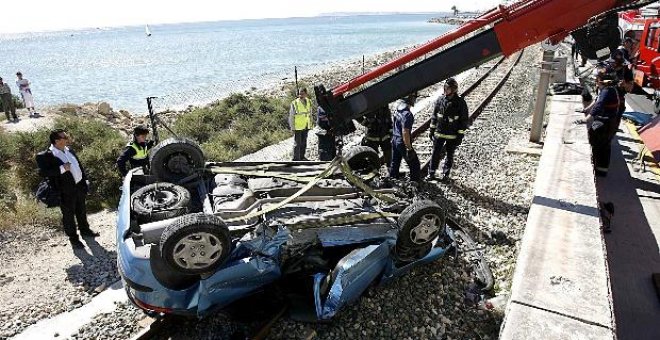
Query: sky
{"x": 52, "y": 15}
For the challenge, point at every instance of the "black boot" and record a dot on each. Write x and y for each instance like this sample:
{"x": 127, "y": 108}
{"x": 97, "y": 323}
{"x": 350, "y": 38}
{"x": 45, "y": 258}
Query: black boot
{"x": 75, "y": 243}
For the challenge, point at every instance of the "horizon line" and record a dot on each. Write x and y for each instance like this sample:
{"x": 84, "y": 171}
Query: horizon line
{"x": 328, "y": 14}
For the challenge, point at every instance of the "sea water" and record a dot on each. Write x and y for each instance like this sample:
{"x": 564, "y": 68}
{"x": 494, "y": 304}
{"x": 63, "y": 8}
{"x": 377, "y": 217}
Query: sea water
{"x": 196, "y": 62}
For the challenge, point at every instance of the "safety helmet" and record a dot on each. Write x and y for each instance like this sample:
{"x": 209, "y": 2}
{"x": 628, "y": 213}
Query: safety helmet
{"x": 451, "y": 82}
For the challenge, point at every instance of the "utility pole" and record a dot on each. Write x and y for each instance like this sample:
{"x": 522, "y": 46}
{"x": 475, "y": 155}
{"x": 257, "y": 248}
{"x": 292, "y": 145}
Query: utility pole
{"x": 152, "y": 118}
{"x": 295, "y": 75}
{"x": 363, "y": 64}
{"x": 541, "y": 96}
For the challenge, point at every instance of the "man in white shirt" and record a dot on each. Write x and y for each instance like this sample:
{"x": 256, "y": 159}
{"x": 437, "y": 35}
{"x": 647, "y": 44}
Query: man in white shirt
{"x": 60, "y": 164}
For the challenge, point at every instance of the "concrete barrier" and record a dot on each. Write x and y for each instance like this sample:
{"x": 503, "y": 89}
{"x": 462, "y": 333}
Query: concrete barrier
{"x": 561, "y": 287}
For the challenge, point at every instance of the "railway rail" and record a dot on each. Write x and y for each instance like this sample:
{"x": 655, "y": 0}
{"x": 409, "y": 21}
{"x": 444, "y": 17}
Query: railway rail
{"x": 478, "y": 96}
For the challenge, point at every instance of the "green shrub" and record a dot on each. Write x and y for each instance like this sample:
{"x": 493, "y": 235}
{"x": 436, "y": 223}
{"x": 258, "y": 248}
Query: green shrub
{"x": 96, "y": 144}
{"x": 237, "y": 125}
{"x": 26, "y": 146}
{"x": 25, "y": 210}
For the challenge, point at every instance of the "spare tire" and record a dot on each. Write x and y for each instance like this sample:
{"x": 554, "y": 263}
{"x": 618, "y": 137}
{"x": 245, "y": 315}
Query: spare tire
{"x": 362, "y": 159}
{"x": 419, "y": 224}
{"x": 159, "y": 201}
{"x": 195, "y": 244}
{"x": 175, "y": 159}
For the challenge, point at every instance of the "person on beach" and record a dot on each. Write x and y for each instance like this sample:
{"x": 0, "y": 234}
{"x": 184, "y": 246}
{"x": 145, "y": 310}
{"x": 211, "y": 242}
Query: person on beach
{"x": 136, "y": 153}
{"x": 65, "y": 173}
{"x": 26, "y": 93}
{"x": 448, "y": 124}
{"x": 300, "y": 122}
{"x": 8, "y": 102}
{"x": 402, "y": 147}
{"x": 379, "y": 131}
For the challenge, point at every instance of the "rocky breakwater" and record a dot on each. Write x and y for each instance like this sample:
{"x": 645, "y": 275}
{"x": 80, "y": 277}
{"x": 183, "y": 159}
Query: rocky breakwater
{"x": 448, "y": 21}
{"x": 121, "y": 120}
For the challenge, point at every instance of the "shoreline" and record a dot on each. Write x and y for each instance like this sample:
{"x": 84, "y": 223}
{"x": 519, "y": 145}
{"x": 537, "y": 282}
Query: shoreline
{"x": 329, "y": 74}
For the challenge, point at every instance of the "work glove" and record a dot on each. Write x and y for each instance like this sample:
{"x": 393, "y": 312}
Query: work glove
{"x": 431, "y": 134}
{"x": 459, "y": 139}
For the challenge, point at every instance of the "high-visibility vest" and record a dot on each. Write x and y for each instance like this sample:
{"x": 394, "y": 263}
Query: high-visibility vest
{"x": 302, "y": 119}
{"x": 140, "y": 152}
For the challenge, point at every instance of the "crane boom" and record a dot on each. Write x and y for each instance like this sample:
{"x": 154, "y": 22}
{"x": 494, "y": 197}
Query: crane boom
{"x": 501, "y": 31}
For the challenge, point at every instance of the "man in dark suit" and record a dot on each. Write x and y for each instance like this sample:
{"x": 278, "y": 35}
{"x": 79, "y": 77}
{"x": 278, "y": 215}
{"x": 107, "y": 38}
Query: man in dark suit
{"x": 66, "y": 174}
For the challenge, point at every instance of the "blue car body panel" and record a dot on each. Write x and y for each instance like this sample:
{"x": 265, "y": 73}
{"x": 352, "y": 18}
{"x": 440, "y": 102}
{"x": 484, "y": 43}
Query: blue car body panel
{"x": 357, "y": 272}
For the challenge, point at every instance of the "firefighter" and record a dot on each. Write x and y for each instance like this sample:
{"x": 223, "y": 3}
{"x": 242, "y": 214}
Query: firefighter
{"x": 300, "y": 121}
{"x": 379, "y": 131}
{"x": 600, "y": 121}
{"x": 136, "y": 152}
{"x": 326, "y": 136}
{"x": 625, "y": 49}
{"x": 402, "y": 147}
{"x": 448, "y": 124}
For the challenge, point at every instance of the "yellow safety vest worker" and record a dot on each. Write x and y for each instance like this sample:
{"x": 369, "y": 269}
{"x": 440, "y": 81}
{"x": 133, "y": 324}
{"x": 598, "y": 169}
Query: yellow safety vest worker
{"x": 140, "y": 153}
{"x": 302, "y": 119}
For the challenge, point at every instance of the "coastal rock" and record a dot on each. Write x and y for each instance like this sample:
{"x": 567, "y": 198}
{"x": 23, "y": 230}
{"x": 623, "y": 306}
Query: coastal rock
{"x": 104, "y": 108}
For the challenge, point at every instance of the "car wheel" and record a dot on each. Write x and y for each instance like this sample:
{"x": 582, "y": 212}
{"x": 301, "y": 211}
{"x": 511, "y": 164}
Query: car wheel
{"x": 195, "y": 244}
{"x": 419, "y": 224}
{"x": 175, "y": 159}
{"x": 159, "y": 201}
{"x": 362, "y": 159}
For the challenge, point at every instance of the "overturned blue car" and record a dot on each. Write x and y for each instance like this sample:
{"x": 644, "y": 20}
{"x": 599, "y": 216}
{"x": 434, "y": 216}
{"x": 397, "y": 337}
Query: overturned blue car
{"x": 194, "y": 237}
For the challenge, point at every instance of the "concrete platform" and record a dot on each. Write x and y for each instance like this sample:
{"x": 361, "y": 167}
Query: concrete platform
{"x": 560, "y": 287}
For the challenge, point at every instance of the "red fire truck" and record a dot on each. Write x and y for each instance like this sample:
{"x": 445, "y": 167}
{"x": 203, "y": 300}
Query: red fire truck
{"x": 643, "y": 26}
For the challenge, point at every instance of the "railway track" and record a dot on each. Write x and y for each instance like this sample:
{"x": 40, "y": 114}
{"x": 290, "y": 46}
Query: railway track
{"x": 478, "y": 95}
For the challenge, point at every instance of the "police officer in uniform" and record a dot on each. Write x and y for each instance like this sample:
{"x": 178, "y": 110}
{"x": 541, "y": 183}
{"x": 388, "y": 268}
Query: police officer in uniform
{"x": 379, "y": 131}
{"x": 448, "y": 124}
{"x": 136, "y": 152}
{"x": 327, "y": 148}
{"x": 402, "y": 147}
{"x": 300, "y": 121}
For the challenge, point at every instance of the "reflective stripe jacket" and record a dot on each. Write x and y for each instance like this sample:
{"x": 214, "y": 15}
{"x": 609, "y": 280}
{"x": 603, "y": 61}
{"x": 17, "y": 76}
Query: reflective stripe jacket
{"x": 450, "y": 117}
{"x": 378, "y": 124}
{"x": 300, "y": 114}
{"x": 137, "y": 155}
{"x": 607, "y": 104}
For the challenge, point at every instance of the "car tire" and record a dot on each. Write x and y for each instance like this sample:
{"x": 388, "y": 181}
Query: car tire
{"x": 159, "y": 201}
{"x": 419, "y": 224}
{"x": 362, "y": 159}
{"x": 195, "y": 244}
{"x": 175, "y": 159}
